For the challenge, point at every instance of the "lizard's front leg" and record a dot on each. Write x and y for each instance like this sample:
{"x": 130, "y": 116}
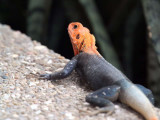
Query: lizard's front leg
{"x": 104, "y": 98}
{"x": 71, "y": 65}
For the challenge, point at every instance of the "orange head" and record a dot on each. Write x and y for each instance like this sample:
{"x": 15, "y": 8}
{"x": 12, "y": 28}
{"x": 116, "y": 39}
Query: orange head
{"x": 81, "y": 39}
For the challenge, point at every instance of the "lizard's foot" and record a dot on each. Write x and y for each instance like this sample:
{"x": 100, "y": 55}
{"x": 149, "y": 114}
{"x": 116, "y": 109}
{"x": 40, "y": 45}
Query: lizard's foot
{"x": 147, "y": 92}
{"x": 103, "y": 98}
{"x": 45, "y": 76}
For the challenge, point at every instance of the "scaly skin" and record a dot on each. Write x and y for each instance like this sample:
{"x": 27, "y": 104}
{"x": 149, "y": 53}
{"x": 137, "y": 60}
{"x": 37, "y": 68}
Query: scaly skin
{"x": 110, "y": 84}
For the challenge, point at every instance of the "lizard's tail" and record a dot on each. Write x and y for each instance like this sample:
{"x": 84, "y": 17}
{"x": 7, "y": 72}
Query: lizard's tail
{"x": 133, "y": 97}
{"x": 154, "y": 118}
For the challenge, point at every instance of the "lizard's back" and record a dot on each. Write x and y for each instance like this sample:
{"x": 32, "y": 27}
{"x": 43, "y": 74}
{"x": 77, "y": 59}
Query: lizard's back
{"x": 97, "y": 72}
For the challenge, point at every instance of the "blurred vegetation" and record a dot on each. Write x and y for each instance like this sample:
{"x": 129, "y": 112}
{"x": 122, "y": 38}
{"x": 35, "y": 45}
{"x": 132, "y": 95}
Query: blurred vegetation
{"x": 126, "y": 31}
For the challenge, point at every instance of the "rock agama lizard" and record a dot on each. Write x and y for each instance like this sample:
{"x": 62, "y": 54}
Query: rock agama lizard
{"x": 108, "y": 82}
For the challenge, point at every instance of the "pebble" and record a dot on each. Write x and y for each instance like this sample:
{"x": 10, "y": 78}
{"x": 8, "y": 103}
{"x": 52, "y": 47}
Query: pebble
{"x": 8, "y": 119}
{"x": 1, "y": 81}
{"x": 4, "y": 77}
{"x": 15, "y": 115}
{"x": 49, "y": 62}
{"x": 69, "y": 116}
{"x": 6, "y": 96}
{"x": 48, "y": 102}
{"x": 15, "y": 56}
{"x": 45, "y": 108}
{"x": 32, "y": 84}
{"x": 41, "y": 48}
{"x": 38, "y": 112}
{"x": 34, "y": 106}
{"x": 110, "y": 118}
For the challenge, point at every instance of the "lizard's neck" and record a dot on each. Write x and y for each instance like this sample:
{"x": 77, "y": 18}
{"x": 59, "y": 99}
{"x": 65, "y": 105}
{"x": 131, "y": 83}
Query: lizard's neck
{"x": 91, "y": 50}
{"x": 89, "y": 46}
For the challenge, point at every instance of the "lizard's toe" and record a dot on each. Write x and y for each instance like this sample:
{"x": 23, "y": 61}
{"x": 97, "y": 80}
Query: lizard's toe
{"x": 44, "y": 76}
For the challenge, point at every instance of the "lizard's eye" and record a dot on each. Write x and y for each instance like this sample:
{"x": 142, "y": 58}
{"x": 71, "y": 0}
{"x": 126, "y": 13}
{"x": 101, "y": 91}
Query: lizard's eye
{"x": 75, "y": 26}
{"x": 77, "y": 36}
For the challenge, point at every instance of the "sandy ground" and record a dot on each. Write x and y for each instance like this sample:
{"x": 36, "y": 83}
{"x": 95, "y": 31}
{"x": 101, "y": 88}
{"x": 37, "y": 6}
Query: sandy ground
{"x": 23, "y": 96}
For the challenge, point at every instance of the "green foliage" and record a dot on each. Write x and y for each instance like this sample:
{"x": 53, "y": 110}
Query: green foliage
{"x": 13, "y": 12}
{"x": 152, "y": 15}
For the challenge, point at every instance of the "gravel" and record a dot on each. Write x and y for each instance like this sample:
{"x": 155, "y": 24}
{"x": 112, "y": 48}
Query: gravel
{"x": 23, "y": 96}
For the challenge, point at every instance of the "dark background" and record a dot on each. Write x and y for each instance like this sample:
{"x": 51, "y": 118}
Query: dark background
{"x": 121, "y": 24}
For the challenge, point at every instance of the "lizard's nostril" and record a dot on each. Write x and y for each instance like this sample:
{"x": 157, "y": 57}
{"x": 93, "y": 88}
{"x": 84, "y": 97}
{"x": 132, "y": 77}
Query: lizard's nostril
{"x": 75, "y": 26}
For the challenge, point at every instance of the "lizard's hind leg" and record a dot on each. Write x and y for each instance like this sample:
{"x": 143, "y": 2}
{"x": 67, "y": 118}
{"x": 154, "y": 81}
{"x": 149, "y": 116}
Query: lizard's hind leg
{"x": 104, "y": 98}
{"x": 147, "y": 92}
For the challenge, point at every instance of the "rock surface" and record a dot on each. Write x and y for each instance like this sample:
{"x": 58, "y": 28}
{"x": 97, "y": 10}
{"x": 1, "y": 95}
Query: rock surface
{"x": 24, "y": 96}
